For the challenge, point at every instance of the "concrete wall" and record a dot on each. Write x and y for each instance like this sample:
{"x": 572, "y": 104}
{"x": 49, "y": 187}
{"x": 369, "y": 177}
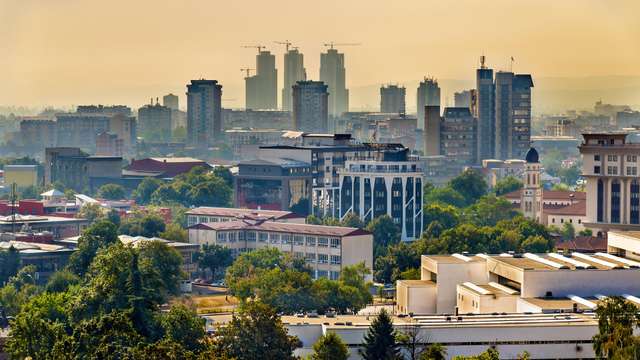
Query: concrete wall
{"x": 581, "y": 282}
{"x": 356, "y": 249}
{"x": 416, "y": 299}
{"x": 450, "y": 275}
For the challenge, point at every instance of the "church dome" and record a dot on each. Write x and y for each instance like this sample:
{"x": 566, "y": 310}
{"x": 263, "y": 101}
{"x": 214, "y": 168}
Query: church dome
{"x": 532, "y": 156}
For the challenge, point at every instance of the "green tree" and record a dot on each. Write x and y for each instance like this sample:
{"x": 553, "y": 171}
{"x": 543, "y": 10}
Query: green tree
{"x": 166, "y": 194}
{"x": 352, "y": 220}
{"x": 470, "y": 184}
{"x": 99, "y": 235}
{"x": 445, "y": 196}
{"x": 213, "y": 192}
{"x": 30, "y": 192}
{"x": 156, "y": 256}
{"x": 9, "y": 263}
{"x": 385, "y": 233}
{"x": 617, "y": 319}
{"x": 330, "y": 347}
{"x": 111, "y": 192}
{"x": 91, "y": 212}
{"x": 535, "y": 244}
{"x": 255, "y": 333}
{"x": 147, "y": 225}
{"x": 448, "y": 216}
{"x": 183, "y": 326}
{"x": 568, "y": 232}
{"x": 175, "y": 232}
{"x": 61, "y": 280}
{"x": 216, "y": 258}
{"x": 585, "y": 232}
{"x": 434, "y": 352}
{"x": 224, "y": 173}
{"x": 489, "y": 354}
{"x": 489, "y": 210}
{"x": 507, "y": 185}
{"x": 380, "y": 340}
{"x": 142, "y": 194}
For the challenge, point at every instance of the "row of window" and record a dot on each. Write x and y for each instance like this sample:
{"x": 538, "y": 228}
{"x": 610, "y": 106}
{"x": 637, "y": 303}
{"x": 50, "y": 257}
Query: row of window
{"x": 314, "y": 258}
{"x": 277, "y": 238}
{"x": 630, "y": 158}
{"x": 613, "y": 170}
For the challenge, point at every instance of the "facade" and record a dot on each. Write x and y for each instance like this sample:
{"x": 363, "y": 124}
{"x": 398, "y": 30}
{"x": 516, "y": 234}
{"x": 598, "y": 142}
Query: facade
{"x": 108, "y": 144}
{"x": 154, "y": 122}
{"x": 186, "y": 250}
{"x": 245, "y": 142}
{"x": 333, "y": 74}
{"x": 257, "y": 119}
{"x": 294, "y": 71}
{"x": 458, "y": 135}
{"x": 326, "y": 249}
{"x": 431, "y": 133}
{"x": 21, "y": 175}
{"x": 392, "y": 99}
{"x": 204, "y": 112}
{"x": 38, "y": 133}
{"x": 513, "y": 114}
{"x": 495, "y": 170}
{"x": 463, "y": 98}
{"x": 168, "y": 167}
{"x": 531, "y": 202}
{"x": 428, "y": 95}
{"x": 277, "y": 184}
{"x": 262, "y": 88}
{"x": 171, "y": 101}
{"x": 485, "y": 114}
{"x": 47, "y": 258}
{"x": 610, "y": 168}
{"x": 207, "y": 214}
{"x": 78, "y": 170}
{"x": 80, "y": 129}
{"x": 372, "y": 188}
{"x": 58, "y": 227}
{"x": 310, "y": 106}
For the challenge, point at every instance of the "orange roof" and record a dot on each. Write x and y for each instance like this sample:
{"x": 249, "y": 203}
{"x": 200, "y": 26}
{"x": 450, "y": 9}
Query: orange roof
{"x": 272, "y": 226}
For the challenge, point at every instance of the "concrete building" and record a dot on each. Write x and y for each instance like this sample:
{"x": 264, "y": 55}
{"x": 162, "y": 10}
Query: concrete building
{"x": 171, "y": 101}
{"x": 463, "y": 98}
{"x": 187, "y": 251}
{"x": 58, "y": 227}
{"x": 257, "y": 119}
{"x": 294, "y": 71}
{"x": 333, "y": 74}
{"x": 262, "y": 88}
{"x": 155, "y": 122}
{"x": 486, "y": 107}
{"x": 79, "y": 171}
{"x": 21, "y": 175}
{"x": 46, "y": 257}
{"x": 372, "y": 188}
{"x": 310, "y": 106}
{"x": 428, "y": 95}
{"x": 38, "y": 133}
{"x": 80, "y": 129}
{"x": 495, "y": 170}
{"x": 512, "y": 114}
{"x": 326, "y": 249}
{"x": 166, "y": 167}
{"x": 392, "y": 99}
{"x": 207, "y": 214}
{"x": 204, "y": 112}
{"x": 432, "y": 122}
{"x": 245, "y": 142}
{"x": 458, "y": 135}
{"x": 108, "y": 144}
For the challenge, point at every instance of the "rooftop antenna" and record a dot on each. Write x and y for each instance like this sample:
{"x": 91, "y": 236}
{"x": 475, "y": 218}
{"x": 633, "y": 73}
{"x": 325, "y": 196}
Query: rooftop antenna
{"x": 259, "y": 47}
{"x": 247, "y": 71}
{"x": 332, "y": 44}
{"x": 286, "y": 43}
{"x": 482, "y": 62}
{"x": 511, "y": 64}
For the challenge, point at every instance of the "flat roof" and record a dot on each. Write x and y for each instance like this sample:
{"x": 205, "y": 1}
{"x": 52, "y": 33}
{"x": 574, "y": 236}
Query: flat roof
{"x": 416, "y": 282}
{"x": 573, "y": 261}
{"x": 272, "y": 226}
{"x": 560, "y": 303}
{"x": 450, "y": 259}
{"x": 489, "y": 289}
{"x": 238, "y": 212}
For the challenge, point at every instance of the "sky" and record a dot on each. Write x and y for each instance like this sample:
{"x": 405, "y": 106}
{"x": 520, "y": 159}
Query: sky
{"x": 69, "y": 52}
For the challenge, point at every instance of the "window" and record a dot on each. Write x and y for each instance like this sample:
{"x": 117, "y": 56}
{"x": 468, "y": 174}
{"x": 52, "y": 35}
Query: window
{"x": 222, "y": 237}
{"x": 298, "y": 240}
{"x": 323, "y": 259}
{"x": 336, "y": 259}
{"x": 632, "y": 171}
{"x": 232, "y": 236}
{"x": 335, "y": 242}
{"x": 286, "y": 239}
{"x": 612, "y": 157}
{"x": 334, "y": 275}
{"x": 632, "y": 158}
{"x": 298, "y": 255}
{"x": 612, "y": 170}
{"x": 274, "y": 238}
{"x": 310, "y": 257}
{"x": 596, "y": 157}
{"x": 323, "y": 274}
{"x": 251, "y": 236}
{"x": 262, "y": 237}
{"x": 311, "y": 241}
{"x": 596, "y": 169}
{"x": 323, "y": 242}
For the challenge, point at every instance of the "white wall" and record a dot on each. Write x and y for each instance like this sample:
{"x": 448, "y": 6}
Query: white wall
{"x": 452, "y": 274}
{"x": 581, "y": 282}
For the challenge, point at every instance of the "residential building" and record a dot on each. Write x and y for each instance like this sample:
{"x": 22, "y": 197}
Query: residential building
{"x": 79, "y": 171}
{"x": 439, "y": 169}
{"x": 372, "y": 188}
{"x": 294, "y": 71}
{"x": 428, "y": 95}
{"x": 171, "y": 101}
{"x": 59, "y": 227}
{"x": 257, "y": 119}
{"x": 245, "y": 143}
{"x": 38, "y": 133}
{"x": 392, "y": 99}
{"x": 463, "y": 98}
{"x": 155, "y": 122}
{"x": 310, "y": 106}
{"x": 207, "y": 214}
{"x": 458, "y": 135}
{"x": 108, "y": 144}
{"x": 261, "y": 89}
{"x": 204, "y": 112}
{"x": 326, "y": 249}
{"x": 80, "y": 129}
{"x": 333, "y": 74}
{"x": 47, "y": 258}
{"x": 21, "y": 175}
{"x": 512, "y": 114}
{"x": 485, "y": 112}
{"x": 167, "y": 167}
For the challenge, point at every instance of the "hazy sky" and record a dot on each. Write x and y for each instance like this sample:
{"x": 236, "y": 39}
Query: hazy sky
{"x": 63, "y": 52}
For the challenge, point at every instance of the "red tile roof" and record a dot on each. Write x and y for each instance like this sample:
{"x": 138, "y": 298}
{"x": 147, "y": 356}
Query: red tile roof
{"x": 584, "y": 244}
{"x": 552, "y": 195}
{"x": 306, "y": 229}
{"x": 243, "y": 213}
{"x": 577, "y": 209}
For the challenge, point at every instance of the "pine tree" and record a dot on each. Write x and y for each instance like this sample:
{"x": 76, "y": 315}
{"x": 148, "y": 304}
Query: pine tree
{"x": 380, "y": 340}
{"x": 330, "y": 347}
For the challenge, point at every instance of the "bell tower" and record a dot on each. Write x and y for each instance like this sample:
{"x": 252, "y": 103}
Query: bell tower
{"x": 531, "y": 196}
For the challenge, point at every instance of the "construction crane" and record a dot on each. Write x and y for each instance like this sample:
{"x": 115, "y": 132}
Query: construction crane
{"x": 247, "y": 71}
{"x": 259, "y": 47}
{"x": 286, "y": 43}
{"x": 331, "y": 45}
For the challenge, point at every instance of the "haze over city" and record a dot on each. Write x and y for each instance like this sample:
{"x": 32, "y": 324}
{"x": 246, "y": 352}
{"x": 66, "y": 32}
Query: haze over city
{"x": 68, "y": 52}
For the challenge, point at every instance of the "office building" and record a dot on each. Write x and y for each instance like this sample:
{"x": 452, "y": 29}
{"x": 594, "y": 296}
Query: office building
{"x": 310, "y": 106}
{"x": 294, "y": 71}
{"x": 428, "y": 95}
{"x": 333, "y": 74}
{"x": 206, "y": 214}
{"x": 257, "y": 119}
{"x": 38, "y": 133}
{"x": 79, "y": 171}
{"x": 108, "y": 144}
{"x": 262, "y": 88}
{"x": 485, "y": 112}
{"x": 167, "y": 167}
{"x": 458, "y": 135}
{"x": 391, "y": 186}
{"x": 171, "y": 101}
{"x": 204, "y": 112}
{"x": 463, "y": 98}
{"x": 155, "y": 122}
{"x": 325, "y": 249}
{"x": 392, "y": 99}
{"x": 512, "y": 114}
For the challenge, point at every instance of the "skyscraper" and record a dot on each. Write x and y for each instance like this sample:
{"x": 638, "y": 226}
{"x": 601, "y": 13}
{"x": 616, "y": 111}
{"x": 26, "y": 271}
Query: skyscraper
{"x": 204, "y": 112}
{"x": 428, "y": 95}
{"x": 512, "y": 115}
{"x": 310, "y": 106}
{"x": 462, "y": 98}
{"x": 485, "y": 90}
{"x": 170, "y": 101}
{"x": 262, "y": 88}
{"x": 154, "y": 122}
{"x": 392, "y": 99}
{"x": 294, "y": 71}
{"x": 333, "y": 73}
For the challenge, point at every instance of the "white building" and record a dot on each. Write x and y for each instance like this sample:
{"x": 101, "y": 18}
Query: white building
{"x": 206, "y": 214}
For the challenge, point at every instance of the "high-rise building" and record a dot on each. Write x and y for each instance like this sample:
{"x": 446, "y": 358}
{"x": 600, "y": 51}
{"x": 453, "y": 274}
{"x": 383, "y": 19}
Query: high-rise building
{"x": 310, "y": 106}
{"x": 262, "y": 88}
{"x": 154, "y": 122}
{"x": 428, "y": 95}
{"x": 294, "y": 71}
{"x": 333, "y": 74}
{"x": 512, "y": 115}
{"x": 392, "y": 99}
{"x": 485, "y": 111}
{"x": 431, "y": 131}
{"x": 458, "y": 135}
{"x": 204, "y": 112}
{"x": 462, "y": 98}
{"x": 171, "y": 101}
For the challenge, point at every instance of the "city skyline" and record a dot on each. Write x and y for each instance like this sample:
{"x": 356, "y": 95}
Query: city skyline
{"x": 50, "y": 62}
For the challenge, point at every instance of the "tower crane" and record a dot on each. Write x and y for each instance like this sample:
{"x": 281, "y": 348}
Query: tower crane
{"x": 247, "y": 71}
{"x": 259, "y": 47}
{"x": 332, "y": 44}
{"x": 286, "y": 43}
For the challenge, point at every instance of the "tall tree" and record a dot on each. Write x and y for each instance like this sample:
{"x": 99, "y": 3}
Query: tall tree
{"x": 97, "y": 236}
{"x": 434, "y": 352}
{"x": 215, "y": 258}
{"x": 617, "y": 319}
{"x": 507, "y": 185}
{"x": 330, "y": 347}
{"x": 111, "y": 192}
{"x": 470, "y": 184}
{"x": 146, "y": 188}
{"x": 380, "y": 340}
{"x": 385, "y": 233}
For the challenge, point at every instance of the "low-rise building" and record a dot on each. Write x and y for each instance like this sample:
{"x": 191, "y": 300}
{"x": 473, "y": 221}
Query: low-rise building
{"x": 326, "y": 249}
{"x": 207, "y": 214}
{"x": 60, "y": 227}
{"x": 168, "y": 167}
{"x": 21, "y": 175}
{"x": 47, "y": 258}
{"x": 187, "y": 251}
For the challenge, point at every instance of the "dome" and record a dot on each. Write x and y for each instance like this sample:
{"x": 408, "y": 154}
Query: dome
{"x": 532, "y": 156}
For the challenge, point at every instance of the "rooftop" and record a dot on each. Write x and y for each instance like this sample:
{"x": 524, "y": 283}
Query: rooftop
{"x": 243, "y": 213}
{"x": 319, "y": 230}
{"x": 176, "y": 159}
{"x": 553, "y": 195}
